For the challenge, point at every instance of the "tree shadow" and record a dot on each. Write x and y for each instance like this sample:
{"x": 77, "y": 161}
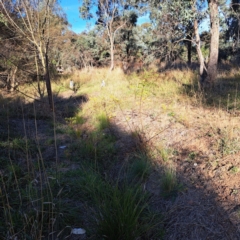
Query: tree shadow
{"x": 190, "y": 212}
{"x": 223, "y": 95}
{"x": 202, "y": 211}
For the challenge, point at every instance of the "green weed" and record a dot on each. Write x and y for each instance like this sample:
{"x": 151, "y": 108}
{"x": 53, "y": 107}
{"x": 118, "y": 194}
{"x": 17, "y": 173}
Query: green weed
{"x": 140, "y": 167}
{"x": 123, "y": 213}
{"x": 103, "y": 121}
{"x": 121, "y": 210}
{"x": 27, "y": 204}
{"x": 169, "y": 183}
{"x": 192, "y": 155}
{"x": 228, "y": 146}
{"x": 234, "y": 169}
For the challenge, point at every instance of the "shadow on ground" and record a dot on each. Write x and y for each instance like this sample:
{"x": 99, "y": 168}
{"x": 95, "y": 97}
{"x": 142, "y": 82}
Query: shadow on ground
{"x": 225, "y": 94}
{"x": 92, "y": 166}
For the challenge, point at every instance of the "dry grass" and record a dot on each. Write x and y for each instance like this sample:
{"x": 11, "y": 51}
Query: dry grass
{"x": 171, "y": 96}
{"x": 168, "y": 119}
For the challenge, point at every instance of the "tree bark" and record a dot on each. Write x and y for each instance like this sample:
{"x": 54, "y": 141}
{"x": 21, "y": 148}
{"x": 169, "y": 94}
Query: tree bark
{"x": 189, "y": 49}
{"x": 40, "y": 91}
{"x": 214, "y": 43}
{"x": 202, "y": 68}
{"x": 112, "y": 54}
{"x": 48, "y": 82}
{"x": 12, "y": 79}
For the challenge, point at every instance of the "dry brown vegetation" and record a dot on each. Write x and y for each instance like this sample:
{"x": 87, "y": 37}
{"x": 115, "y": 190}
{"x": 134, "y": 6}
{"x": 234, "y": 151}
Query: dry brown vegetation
{"x": 178, "y": 144}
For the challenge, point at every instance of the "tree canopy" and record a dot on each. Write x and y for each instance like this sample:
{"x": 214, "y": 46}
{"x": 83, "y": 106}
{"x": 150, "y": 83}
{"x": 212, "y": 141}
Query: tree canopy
{"x": 172, "y": 31}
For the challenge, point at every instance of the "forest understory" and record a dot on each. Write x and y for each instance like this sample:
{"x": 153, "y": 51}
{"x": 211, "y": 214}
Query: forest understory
{"x": 146, "y": 156}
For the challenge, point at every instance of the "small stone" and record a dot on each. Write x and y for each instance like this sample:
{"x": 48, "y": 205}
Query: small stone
{"x": 103, "y": 84}
{"x": 78, "y": 231}
{"x": 62, "y": 147}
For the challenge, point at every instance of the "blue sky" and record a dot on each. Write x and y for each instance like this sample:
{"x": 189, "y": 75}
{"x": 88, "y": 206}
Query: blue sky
{"x": 71, "y": 8}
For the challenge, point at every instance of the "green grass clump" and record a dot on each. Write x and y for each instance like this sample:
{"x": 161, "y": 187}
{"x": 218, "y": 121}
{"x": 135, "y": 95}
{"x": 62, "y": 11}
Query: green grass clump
{"x": 120, "y": 213}
{"x": 103, "y": 121}
{"x": 83, "y": 183}
{"x": 76, "y": 120}
{"x": 97, "y": 146}
{"x": 234, "y": 169}
{"x": 169, "y": 182}
{"x": 27, "y": 204}
{"x": 164, "y": 153}
{"x": 141, "y": 167}
{"x": 120, "y": 210}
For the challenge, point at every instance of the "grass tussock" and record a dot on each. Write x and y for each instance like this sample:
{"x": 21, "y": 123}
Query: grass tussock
{"x": 169, "y": 182}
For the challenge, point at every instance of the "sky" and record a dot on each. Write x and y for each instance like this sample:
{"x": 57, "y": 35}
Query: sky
{"x": 71, "y": 8}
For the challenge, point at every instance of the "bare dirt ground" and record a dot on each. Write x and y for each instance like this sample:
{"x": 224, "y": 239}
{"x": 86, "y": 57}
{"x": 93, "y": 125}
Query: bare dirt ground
{"x": 208, "y": 207}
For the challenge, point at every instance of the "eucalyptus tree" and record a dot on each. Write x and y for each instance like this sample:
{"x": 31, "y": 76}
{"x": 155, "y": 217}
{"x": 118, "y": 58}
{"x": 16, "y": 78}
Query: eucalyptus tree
{"x": 93, "y": 48}
{"x": 110, "y": 14}
{"x": 126, "y": 39}
{"x": 172, "y": 24}
{"x": 175, "y": 14}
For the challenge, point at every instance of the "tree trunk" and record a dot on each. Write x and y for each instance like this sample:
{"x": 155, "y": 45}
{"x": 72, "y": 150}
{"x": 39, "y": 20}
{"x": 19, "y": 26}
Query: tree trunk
{"x": 112, "y": 54}
{"x": 11, "y": 80}
{"x": 214, "y": 43}
{"x": 48, "y": 84}
{"x": 189, "y": 49}
{"x": 202, "y": 68}
{"x": 43, "y": 55}
{"x": 40, "y": 92}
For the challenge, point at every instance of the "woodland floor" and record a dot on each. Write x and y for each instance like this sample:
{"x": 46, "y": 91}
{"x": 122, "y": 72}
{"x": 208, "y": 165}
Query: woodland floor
{"x": 206, "y": 204}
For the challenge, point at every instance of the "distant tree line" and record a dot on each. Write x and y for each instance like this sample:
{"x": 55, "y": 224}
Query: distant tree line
{"x": 35, "y": 37}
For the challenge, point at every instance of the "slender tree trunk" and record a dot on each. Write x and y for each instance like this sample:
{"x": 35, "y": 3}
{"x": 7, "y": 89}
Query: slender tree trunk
{"x": 202, "y": 68}
{"x": 48, "y": 85}
{"x": 12, "y": 79}
{"x": 214, "y": 43}
{"x": 112, "y": 54}
{"x": 41, "y": 93}
{"x": 43, "y": 55}
{"x": 189, "y": 49}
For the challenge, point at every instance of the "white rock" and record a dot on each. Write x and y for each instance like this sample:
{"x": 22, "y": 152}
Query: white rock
{"x": 103, "y": 84}
{"x": 78, "y": 231}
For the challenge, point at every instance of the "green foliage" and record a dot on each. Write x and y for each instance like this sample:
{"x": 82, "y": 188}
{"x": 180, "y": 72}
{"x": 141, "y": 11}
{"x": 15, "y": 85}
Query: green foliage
{"x": 169, "y": 182}
{"x": 140, "y": 167}
{"x": 120, "y": 212}
{"x": 228, "y": 146}
{"x": 164, "y": 153}
{"x": 3, "y": 19}
{"x": 75, "y": 120}
{"x": 97, "y": 146}
{"x": 205, "y": 51}
{"x": 103, "y": 121}
{"x": 27, "y": 204}
{"x": 234, "y": 169}
{"x": 192, "y": 155}
{"x": 83, "y": 183}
